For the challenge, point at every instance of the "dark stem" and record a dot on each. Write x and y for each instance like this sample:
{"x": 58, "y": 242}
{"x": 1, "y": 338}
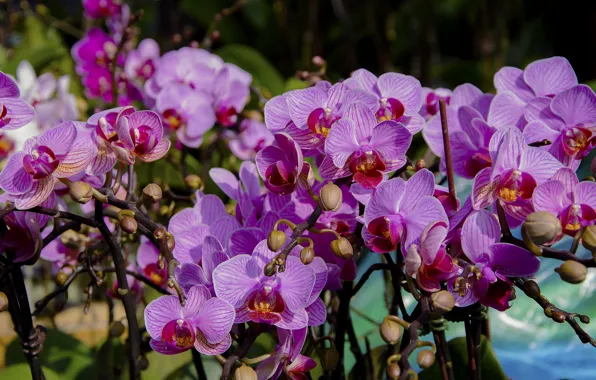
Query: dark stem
{"x": 198, "y": 362}
{"x": 360, "y": 366}
{"x": 128, "y": 299}
{"x": 20, "y": 312}
{"x": 367, "y": 274}
{"x": 412, "y": 338}
{"x": 447, "y": 148}
{"x": 343, "y": 315}
{"x": 472, "y": 365}
{"x": 253, "y": 332}
{"x": 396, "y": 284}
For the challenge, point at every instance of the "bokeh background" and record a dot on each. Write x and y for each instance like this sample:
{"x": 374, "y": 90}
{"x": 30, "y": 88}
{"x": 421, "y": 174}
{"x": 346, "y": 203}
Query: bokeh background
{"x": 443, "y": 43}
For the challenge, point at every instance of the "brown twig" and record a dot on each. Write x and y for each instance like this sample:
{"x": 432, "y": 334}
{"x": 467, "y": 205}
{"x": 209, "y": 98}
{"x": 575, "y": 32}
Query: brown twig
{"x": 447, "y": 148}
{"x": 559, "y": 315}
{"x": 253, "y": 332}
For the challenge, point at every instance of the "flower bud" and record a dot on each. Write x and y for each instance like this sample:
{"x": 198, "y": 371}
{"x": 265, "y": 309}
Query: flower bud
{"x": 245, "y": 372}
{"x": 152, "y": 191}
{"x": 342, "y": 248}
{"x": 443, "y": 301}
{"x": 330, "y": 197}
{"x": 558, "y": 317}
{"x": 160, "y": 232}
{"x": 307, "y": 255}
{"x": 329, "y": 359}
{"x": 116, "y": 329}
{"x": 128, "y": 224}
{"x": 81, "y": 192}
{"x": 542, "y": 227}
{"x": 589, "y": 238}
{"x": 393, "y": 371}
{"x": 426, "y": 358}
{"x": 61, "y": 278}
{"x": 318, "y": 61}
{"x": 3, "y": 302}
{"x": 572, "y": 272}
{"x": 532, "y": 289}
{"x": 143, "y": 363}
{"x": 276, "y": 240}
{"x": 171, "y": 242}
{"x": 390, "y": 331}
{"x": 270, "y": 269}
{"x": 71, "y": 239}
{"x": 194, "y": 181}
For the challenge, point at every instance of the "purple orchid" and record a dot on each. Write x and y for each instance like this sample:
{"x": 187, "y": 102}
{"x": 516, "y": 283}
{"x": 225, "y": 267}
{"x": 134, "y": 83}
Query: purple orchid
{"x": 430, "y": 100}
{"x": 101, "y": 129}
{"x": 147, "y": 261}
{"x": 567, "y": 120}
{"x": 516, "y": 88}
{"x": 204, "y": 323}
{"x": 142, "y": 62}
{"x": 252, "y": 136}
{"x": 191, "y": 225}
{"x": 358, "y": 146}
{"x": 315, "y": 110}
{"x": 398, "y": 96}
{"x": 287, "y": 358}
{"x": 231, "y": 92}
{"x": 186, "y": 111}
{"x": 101, "y": 8}
{"x": 95, "y": 50}
{"x": 281, "y": 164}
{"x": 23, "y": 238}
{"x": 516, "y": 171}
{"x": 14, "y": 112}
{"x": 280, "y": 300}
{"x": 469, "y": 136}
{"x": 190, "y": 274}
{"x": 573, "y": 202}
{"x": 29, "y": 175}
{"x": 429, "y": 262}
{"x": 140, "y": 134}
{"x": 493, "y": 262}
{"x": 399, "y": 211}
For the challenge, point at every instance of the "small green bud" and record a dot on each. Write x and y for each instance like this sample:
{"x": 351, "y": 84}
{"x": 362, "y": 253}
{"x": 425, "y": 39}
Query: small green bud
{"x": 245, "y": 372}
{"x": 589, "y": 238}
{"x": 329, "y": 359}
{"x": 572, "y": 272}
{"x": 194, "y": 181}
{"x": 116, "y": 329}
{"x": 81, "y": 192}
{"x": 307, "y": 255}
{"x": 532, "y": 289}
{"x": 276, "y": 240}
{"x": 61, "y": 278}
{"x": 152, "y": 191}
{"x": 128, "y": 224}
{"x": 330, "y": 197}
{"x": 426, "y": 358}
{"x": 390, "y": 331}
{"x": 393, "y": 371}
{"x": 443, "y": 301}
{"x": 270, "y": 269}
{"x": 542, "y": 227}
{"x": 342, "y": 248}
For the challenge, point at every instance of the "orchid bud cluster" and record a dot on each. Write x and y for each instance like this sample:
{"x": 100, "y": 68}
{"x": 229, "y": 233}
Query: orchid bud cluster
{"x": 324, "y": 180}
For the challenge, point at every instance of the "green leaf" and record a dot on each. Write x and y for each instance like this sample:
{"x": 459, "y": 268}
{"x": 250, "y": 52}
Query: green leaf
{"x": 22, "y": 371}
{"x": 489, "y": 364}
{"x": 263, "y": 72}
{"x": 111, "y": 359}
{"x": 62, "y": 353}
{"x": 161, "y": 366}
{"x": 295, "y": 84}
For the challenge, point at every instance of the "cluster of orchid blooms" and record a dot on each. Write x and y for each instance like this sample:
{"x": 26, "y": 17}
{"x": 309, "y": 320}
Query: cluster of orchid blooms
{"x": 257, "y": 261}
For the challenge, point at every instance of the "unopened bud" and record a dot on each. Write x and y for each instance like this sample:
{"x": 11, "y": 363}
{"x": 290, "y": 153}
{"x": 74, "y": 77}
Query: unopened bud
{"x": 276, "y": 240}
{"x": 152, "y": 191}
{"x": 532, "y": 289}
{"x": 81, "y": 192}
{"x": 329, "y": 359}
{"x": 116, "y": 329}
{"x": 589, "y": 238}
{"x": 443, "y": 301}
{"x": 342, "y": 248}
{"x": 426, "y": 358}
{"x": 572, "y": 272}
{"x": 177, "y": 38}
{"x": 61, "y": 278}
{"x": 245, "y": 372}
{"x": 270, "y": 269}
{"x": 542, "y": 227}
{"x": 128, "y": 224}
{"x": 194, "y": 181}
{"x": 393, "y": 371}
{"x": 143, "y": 363}
{"x": 307, "y": 255}
{"x": 390, "y": 331}
{"x": 558, "y": 317}
{"x": 330, "y": 197}
{"x": 3, "y": 302}
{"x": 171, "y": 242}
{"x": 160, "y": 233}
{"x": 318, "y": 61}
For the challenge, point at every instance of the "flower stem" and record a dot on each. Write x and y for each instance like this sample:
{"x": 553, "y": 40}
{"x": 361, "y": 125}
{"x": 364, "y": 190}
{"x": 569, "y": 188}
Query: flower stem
{"x": 447, "y": 148}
